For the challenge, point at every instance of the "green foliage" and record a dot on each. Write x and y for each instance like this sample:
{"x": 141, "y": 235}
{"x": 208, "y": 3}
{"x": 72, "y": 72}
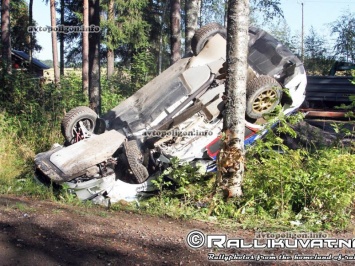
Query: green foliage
{"x": 19, "y": 17}
{"x": 298, "y": 185}
{"x": 267, "y": 8}
{"x": 310, "y": 189}
{"x": 213, "y": 11}
{"x": 344, "y": 30}
{"x": 183, "y": 192}
{"x": 283, "y": 188}
{"x": 112, "y": 93}
{"x": 141, "y": 68}
{"x": 282, "y": 32}
{"x": 318, "y": 60}
{"x": 37, "y": 108}
{"x": 30, "y": 117}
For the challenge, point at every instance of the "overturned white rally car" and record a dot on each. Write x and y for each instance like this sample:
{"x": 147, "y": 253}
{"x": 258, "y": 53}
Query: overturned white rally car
{"x": 177, "y": 114}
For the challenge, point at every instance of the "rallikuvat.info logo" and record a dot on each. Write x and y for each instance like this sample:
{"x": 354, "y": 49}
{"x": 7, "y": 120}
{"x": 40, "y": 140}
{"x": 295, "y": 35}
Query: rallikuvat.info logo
{"x": 312, "y": 241}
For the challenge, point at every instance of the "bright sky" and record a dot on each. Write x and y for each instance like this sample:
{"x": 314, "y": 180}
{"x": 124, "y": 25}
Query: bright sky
{"x": 42, "y": 16}
{"x": 317, "y": 13}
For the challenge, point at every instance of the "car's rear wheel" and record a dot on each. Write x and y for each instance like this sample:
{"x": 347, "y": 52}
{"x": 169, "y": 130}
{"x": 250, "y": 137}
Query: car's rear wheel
{"x": 263, "y": 95}
{"x": 137, "y": 172}
{"x": 77, "y": 123}
{"x": 203, "y": 34}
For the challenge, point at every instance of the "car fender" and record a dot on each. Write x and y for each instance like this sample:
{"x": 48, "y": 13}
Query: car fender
{"x": 86, "y": 153}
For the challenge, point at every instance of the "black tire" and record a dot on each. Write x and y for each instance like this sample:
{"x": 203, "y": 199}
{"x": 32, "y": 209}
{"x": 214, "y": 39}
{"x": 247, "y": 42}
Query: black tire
{"x": 203, "y": 34}
{"x": 263, "y": 95}
{"x": 70, "y": 124}
{"x": 138, "y": 172}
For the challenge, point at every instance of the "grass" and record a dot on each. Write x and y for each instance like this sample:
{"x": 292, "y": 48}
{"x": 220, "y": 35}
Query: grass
{"x": 302, "y": 189}
{"x": 11, "y": 162}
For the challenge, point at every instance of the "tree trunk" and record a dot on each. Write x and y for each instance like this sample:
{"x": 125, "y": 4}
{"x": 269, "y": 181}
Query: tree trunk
{"x": 5, "y": 35}
{"x": 225, "y": 13}
{"x": 54, "y": 43}
{"x": 164, "y": 9}
{"x": 191, "y": 10}
{"x": 231, "y": 157}
{"x": 200, "y": 11}
{"x": 30, "y": 22}
{"x": 61, "y": 38}
{"x": 110, "y": 52}
{"x": 85, "y": 49}
{"x": 175, "y": 31}
{"x": 94, "y": 58}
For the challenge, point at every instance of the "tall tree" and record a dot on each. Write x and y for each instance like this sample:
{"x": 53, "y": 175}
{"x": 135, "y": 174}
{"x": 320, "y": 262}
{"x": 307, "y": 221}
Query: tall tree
{"x": 94, "y": 57}
{"x": 175, "y": 31}
{"x": 110, "y": 52}
{"x": 269, "y": 9}
{"x": 344, "y": 29}
{"x": 317, "y": 61}
{"x": 19, "y": 27}
{"x": 5, "y": 34}
{"x": 30, "y": 22}
{"x": 61, "y": 37}
{"x": 54, "y": 42}
{"x": 281, "y": 31}
{"x": 85, "y": 49}
{"x": 72, "y": 12}
{"x": 159, "y": 20}
{"x": 231, "y": 157}
{"x": 191, "y": 18}
{"x": 215, "y": 10}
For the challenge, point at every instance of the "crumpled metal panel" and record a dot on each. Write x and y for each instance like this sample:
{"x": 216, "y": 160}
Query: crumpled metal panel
{"x": 86, "y": 153}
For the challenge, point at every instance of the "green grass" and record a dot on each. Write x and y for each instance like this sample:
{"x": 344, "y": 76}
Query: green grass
{"x": 302, "y": 189}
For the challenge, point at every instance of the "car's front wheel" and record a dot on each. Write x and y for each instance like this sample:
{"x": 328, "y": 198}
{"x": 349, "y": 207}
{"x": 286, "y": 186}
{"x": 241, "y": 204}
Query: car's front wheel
{"x": 78, "y": 123}
{"x": 263, "y": 95}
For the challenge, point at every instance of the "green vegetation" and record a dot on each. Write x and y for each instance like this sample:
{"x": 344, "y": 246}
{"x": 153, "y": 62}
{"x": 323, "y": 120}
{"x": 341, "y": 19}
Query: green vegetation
{"x": 30, "y": 116}
{"x": 305, "y": 189}
{"x": 309, "y": 188}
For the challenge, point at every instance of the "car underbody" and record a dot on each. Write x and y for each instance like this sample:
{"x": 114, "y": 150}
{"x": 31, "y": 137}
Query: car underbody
{"x": 177, "y": 114}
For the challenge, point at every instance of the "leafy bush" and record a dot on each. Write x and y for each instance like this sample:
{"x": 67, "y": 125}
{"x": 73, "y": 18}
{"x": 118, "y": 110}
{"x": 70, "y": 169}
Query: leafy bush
{"x": 312, "y": 189}
{"x": 315, "y": 188}
{"x": 30, "y": 117}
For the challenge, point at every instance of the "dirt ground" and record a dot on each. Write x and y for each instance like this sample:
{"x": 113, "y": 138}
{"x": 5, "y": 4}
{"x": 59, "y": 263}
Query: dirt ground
{"x": 36, "y": 232}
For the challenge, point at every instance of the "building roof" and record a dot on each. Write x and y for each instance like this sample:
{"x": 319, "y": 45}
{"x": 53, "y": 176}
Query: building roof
{"x": 35, "y": 61}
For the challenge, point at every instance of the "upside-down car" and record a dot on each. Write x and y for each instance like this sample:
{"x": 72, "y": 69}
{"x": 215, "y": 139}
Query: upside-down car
{"x": 177, "y": 114}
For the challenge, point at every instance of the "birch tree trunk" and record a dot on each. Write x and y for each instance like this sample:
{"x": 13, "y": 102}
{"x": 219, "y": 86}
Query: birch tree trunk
{"x": 191, "y": 10}
{"x": 231, "y": 157}
{"x": 5, "y": 35}
{"x": 94, "y": 58}
{"x": 175, "y": 31}
{"x": 54, "y": 43}
{"x": 85, "y": 49}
